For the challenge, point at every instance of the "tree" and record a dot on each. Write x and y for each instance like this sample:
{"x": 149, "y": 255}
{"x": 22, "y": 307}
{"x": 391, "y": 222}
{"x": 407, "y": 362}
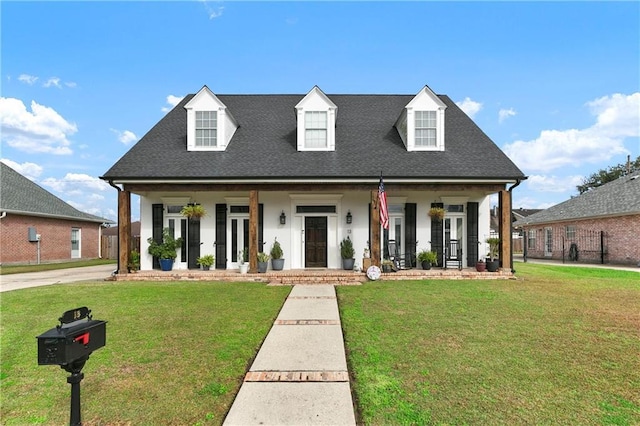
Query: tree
{"x": 607, "y": 175}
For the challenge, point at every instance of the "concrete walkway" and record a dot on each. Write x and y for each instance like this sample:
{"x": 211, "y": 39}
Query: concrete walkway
{"x": 300, "y": 373}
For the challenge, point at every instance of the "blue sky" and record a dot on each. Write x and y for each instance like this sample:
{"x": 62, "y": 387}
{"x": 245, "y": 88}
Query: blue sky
{"x": 555, "y": 85}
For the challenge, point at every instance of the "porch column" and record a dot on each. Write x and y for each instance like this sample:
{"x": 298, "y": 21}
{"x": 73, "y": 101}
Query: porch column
{"x": 504, "y": 228}
{"x": 375, "y": 229}
{"x": 124, "y": 230}
{"x": 253, "y": 231}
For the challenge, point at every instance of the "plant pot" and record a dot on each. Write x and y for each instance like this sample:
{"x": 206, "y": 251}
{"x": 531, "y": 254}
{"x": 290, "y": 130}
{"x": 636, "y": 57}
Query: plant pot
{"x": 166, "y": 264}
{"x": 277, "y": 264}
{"x": 386, "y": 268}
{"x": 206, "y": 268}
{"x": 244, "y": 268}
{"x": 493, "y": 265}
{"x": 481, "y": 266}
{"x": 347, "y": 264}
{"x": 262, "y": 267}
{"x": 426, "y": 265}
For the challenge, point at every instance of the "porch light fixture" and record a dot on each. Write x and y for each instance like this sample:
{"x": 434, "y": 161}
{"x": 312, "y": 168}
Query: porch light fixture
{"x": 283, "y": 218}
{"x": 349, "y": 217}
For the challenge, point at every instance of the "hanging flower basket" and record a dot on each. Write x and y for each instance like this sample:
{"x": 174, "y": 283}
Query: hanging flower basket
{"x": 193, "y": 211}
{"x": 436, "y": 213}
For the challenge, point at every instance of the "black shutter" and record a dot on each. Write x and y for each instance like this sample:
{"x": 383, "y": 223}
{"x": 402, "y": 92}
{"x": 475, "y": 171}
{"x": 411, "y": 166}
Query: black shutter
{"x": 157, "y": 220}
{"x": 221, "y": 236}
{"x": 410, "y": 233}
{"x": 185, "y": 239}
{"x": 261, "y": 227}
{"x": 472, "y": 233}
{"x": 194, "y": 243}
{"x": 437, "y": 233}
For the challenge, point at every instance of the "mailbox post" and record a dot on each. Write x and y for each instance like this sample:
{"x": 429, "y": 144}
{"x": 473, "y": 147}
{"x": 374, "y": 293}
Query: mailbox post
{"x": 69, "y": 345}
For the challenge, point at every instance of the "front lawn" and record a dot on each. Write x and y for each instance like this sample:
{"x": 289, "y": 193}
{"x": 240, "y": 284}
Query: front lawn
{"x": 176, "y": 352}
{"x": 560, "y": 345}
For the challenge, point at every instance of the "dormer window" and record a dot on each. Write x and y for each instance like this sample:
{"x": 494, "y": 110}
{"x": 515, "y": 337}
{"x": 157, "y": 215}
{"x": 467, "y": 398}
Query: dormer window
{"x": 426, "y": 128}
{"x": 315, "y": 125}
{"x": 206, "y": 128}
{"x": 421, "y": 122}
{"x": 210, "y": 125}
{"x": 316, "y": 116}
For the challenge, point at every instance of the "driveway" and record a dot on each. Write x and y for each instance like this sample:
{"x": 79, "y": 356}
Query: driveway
{"x": 37, "y": 279}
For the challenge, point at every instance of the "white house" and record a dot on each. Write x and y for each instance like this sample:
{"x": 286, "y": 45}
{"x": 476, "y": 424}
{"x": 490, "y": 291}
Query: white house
{"x": 305, "y": 169}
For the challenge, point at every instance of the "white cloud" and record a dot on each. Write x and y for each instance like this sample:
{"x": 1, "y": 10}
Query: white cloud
{"x": 40, "y": 130}
{"x": 173, "y": 101}
{"x": 541, "y": 183}
{"x": 70, "y": 84}
{"x": 28, "y": 79}
{"x": 76, "y": 184}
{"x": 212, "y": 11}
{"x": 29, "y": 170}
{"x": 52, "y": 81}
{"x": 125, "y": 137}
{"x": 503, "y": 114}
{"x": 471, "y": 108}
{"x": 617, "y": 118}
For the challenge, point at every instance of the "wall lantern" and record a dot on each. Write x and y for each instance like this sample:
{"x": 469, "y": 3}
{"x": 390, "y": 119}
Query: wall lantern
{"x": 283, "y": 218}
{"x": 349, "y": 217}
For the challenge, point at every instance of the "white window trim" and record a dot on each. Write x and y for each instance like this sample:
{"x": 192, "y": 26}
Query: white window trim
{"x": 411, "y": 130}
{"x": 316, "y": 101}
{"x": 226, "y": 125}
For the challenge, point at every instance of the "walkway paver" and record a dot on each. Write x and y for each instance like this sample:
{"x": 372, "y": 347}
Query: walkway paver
{"x": 300, "y": 373}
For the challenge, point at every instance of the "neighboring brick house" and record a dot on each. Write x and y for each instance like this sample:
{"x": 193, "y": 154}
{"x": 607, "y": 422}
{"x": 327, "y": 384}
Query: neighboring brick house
{"x": 36, "y": 226}
{"x": 599, "y": 226}
{"x": 305, "y": 169}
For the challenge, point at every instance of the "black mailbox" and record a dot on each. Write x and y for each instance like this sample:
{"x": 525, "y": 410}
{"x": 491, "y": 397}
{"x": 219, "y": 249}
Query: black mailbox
{"x": 67, "y": 343}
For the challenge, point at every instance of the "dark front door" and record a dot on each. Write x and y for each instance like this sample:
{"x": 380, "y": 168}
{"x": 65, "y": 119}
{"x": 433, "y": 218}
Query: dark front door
{"x": 315, "y": 230}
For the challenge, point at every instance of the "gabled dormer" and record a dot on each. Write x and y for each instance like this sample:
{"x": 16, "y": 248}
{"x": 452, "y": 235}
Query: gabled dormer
{"x": 316, "y": 116}
{"x": 421, "y": 123}
{"x": 210, "y": 126}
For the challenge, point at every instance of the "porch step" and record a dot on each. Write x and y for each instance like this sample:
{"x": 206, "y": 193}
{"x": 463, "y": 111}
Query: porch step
{"x": 289, "y": 279}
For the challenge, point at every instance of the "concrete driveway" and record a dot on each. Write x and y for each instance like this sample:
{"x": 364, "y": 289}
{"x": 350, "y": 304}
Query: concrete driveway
{"x": 37, "y": 279}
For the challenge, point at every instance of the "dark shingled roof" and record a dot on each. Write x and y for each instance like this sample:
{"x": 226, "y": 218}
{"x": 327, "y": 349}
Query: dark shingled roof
{"x": 19, "y": 195}
{"x": 619, "y": 197}
{"x": 264, "y": 146}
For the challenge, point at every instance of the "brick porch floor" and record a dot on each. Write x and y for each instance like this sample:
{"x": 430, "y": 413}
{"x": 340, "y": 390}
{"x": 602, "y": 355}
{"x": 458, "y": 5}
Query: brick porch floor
{"x": 311, "y": 276}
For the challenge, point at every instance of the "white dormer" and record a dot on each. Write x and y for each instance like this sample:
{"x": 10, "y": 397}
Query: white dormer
{"x": 421, "y": 123}
{"x": 210, "y": 126}
{"x": 316, "y": 116}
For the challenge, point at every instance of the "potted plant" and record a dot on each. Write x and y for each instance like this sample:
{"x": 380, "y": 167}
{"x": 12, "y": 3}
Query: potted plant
{"x": 165, "y": 251}
{"x": 387, "y": 265}
{"x": 193, "y": 211}
{"x": 494, "y": 245}
{"x": 206, "y": 261}
{"x": 134, "y": 261}
{"x": 436, "y": 214}
{"x": 277, "y": 262}
{"x": 427, "y": 258}
{"x": 347, "y": 252}
{"x": 243, "y": 258}
{"x": 481, "y": 266}
{"x": 263, "y": 262}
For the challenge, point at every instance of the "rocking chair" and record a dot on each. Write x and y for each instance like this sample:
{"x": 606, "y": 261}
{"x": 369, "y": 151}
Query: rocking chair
{"x": 399, "y": 261}
{"x": 453, "y": 254}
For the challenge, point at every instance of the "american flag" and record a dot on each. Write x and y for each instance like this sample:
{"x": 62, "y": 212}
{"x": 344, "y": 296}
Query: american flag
{"x": 382, "y": 204}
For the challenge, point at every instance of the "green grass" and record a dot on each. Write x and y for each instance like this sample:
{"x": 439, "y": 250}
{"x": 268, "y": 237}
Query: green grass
{"x": 176, "y": 353}
{"x": 19, "y": 269}
{"x": 560, "y": 345}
